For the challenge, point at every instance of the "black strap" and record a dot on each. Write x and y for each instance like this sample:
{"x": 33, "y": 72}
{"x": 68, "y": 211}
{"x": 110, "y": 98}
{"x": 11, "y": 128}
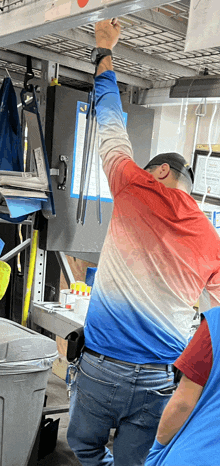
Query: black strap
{"x": 29, "y": 73}
{"x": 75, "y": 344}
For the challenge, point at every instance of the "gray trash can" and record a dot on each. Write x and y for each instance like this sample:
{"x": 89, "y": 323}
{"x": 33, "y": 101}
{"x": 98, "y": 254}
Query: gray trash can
{"x": 25, "y": 360}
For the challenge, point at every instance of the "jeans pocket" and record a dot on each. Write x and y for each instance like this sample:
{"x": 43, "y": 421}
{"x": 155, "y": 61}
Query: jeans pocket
{"x": 94, "y": 392}
{"x": 153, "y": 407}
{"x": 166, "y": 391}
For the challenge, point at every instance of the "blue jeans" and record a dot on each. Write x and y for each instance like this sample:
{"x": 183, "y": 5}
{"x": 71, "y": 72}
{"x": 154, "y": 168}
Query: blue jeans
{"x": 106, "y": 395}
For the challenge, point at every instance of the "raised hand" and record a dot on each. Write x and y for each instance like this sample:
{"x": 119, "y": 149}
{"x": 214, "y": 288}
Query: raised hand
{"x": 107, "y": 33}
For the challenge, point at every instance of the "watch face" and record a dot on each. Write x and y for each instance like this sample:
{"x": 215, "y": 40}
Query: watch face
{"x": 94, "y": 54}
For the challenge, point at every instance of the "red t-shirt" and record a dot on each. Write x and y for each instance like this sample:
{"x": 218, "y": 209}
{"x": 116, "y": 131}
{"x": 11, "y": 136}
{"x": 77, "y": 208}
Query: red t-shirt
{"x": 196, "y": 360}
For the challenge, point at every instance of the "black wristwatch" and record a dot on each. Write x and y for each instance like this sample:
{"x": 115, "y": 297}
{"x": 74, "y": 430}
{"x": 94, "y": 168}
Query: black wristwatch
{"x": 98, "y": 53}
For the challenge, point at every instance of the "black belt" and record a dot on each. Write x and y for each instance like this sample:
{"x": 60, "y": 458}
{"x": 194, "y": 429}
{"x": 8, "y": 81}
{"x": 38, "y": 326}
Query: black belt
{"x": 157, "y": 367}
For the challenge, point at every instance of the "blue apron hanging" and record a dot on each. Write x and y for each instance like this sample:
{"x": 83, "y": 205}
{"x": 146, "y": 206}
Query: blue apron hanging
{"x": 11, "y": 156}
{"x": 11, "y": 153}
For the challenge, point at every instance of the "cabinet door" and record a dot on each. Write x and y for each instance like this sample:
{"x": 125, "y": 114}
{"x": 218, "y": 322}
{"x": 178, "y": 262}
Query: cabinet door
{"x": 64, "y": 233}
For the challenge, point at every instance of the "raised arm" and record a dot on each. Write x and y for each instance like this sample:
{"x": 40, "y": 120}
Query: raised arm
{"x": 107, "y": 34}
{"x": 115, "y": 147}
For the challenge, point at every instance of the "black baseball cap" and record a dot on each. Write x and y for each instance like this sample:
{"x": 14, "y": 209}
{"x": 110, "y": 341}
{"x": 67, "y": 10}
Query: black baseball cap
{"x": 175, "y": 161}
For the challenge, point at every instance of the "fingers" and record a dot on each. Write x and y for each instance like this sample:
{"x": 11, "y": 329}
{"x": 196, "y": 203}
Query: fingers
{"x": 107, "y": 33}
{"x": 102, "y": 24}
{"x": 116, "y": 24}
{"x": 106, "y": 22}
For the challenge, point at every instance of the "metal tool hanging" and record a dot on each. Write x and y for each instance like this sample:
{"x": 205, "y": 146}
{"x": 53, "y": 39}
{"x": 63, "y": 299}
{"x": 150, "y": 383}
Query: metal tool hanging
{"x": 90, "y": 143}
{"x": 30, "y": 110}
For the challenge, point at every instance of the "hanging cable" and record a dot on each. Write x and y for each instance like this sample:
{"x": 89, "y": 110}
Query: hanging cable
{"x": 209, "y": 154}
{"x": 187, "y": 101}
{"x": 185, "y": 111}
{"x": 199, "y": 114}
{"x": 189, "y": 89}
{"x": 180, "y": 118}
{"x": 217, "y": 127}
{"x": 180, "y": 135}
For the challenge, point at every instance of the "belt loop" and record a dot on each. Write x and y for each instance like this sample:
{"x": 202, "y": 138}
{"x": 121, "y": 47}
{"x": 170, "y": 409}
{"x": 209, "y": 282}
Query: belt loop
{"x": 101, "y": 358}
{"x": 137, "y": 368}
{"x": 169, "y": 368}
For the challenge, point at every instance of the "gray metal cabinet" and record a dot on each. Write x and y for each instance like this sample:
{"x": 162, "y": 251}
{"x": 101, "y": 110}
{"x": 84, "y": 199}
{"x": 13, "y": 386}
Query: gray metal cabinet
{"x": 64, "y": 234}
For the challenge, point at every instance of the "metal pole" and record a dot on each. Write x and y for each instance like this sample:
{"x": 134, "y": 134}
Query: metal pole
{"x": 16, "y": 250}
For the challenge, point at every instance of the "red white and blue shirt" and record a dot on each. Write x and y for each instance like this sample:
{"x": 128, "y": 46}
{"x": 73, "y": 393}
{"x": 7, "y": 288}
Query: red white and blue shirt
{"x": 159, "y": 253}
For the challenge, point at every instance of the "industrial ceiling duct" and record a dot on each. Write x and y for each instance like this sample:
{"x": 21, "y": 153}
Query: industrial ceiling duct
{"x": 196, "y": 86}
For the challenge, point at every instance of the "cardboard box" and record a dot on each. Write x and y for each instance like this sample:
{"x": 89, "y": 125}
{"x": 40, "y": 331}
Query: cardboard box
{"x": 60, "y": 366}
{"x": 61, "y": 346}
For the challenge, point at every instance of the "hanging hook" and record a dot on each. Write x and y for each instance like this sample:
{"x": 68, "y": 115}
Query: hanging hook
{"x": 6, "y": 69}
{"x": 28, "y": 75}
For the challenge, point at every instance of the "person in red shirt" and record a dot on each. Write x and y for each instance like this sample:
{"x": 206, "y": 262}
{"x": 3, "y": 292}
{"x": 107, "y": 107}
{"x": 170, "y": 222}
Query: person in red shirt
{"x": 196, "y": 360}
{"x": 195, "y": 363}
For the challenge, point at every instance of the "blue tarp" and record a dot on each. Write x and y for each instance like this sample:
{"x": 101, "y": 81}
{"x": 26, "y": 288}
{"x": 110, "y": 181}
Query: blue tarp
{"x": 11, "y": 153}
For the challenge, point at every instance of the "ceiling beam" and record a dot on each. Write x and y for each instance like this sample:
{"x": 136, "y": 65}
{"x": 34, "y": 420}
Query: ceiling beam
{"x": 75, "y": 74}
{"x": 131, "y": 54}
{"x": 161, "y": 96}
{"x": 17, "y": 78}
{"x": 75, "y": 64}
{"x": 120, "y": 50}
{"x": 13, "y": 57}
{"x": 35, "y": 19}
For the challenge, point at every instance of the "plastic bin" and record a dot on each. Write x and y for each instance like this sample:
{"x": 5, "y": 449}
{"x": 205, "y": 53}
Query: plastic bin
{"x": 25, "y": 360}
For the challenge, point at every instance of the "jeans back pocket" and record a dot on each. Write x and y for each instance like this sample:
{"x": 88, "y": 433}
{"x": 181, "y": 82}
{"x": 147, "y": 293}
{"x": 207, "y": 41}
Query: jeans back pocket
{"x": 95, "y": 391}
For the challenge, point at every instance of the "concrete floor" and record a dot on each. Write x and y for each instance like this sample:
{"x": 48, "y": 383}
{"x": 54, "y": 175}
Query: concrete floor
{"x": 62, "y": 455}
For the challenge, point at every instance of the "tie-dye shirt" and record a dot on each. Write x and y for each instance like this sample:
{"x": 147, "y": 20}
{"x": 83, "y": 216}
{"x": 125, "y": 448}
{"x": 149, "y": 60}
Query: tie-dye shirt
{"x": 159, "y": 253}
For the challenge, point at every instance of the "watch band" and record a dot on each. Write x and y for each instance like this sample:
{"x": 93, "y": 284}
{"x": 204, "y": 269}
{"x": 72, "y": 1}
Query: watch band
{"x": 97, "y": 55}
{"x": 100, "y": 56}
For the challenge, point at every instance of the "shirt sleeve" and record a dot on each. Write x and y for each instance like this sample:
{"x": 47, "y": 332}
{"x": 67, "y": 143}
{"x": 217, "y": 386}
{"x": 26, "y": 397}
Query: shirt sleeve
{"x": 213, "y": 288}
{"x": 115, "y": 147}
{"x": 196, "y": 360}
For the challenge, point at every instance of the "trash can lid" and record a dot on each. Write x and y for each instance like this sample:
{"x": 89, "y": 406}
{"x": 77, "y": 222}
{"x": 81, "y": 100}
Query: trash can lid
{"x": 18, "y": 343}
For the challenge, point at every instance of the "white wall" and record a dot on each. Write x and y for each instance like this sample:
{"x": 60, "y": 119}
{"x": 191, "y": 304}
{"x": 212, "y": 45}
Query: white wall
{"x": 174, "y": 129}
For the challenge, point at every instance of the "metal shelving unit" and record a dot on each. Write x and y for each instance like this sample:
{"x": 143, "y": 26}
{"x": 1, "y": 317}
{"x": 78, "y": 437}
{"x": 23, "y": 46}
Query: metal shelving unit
{"x": 151, "y": 48}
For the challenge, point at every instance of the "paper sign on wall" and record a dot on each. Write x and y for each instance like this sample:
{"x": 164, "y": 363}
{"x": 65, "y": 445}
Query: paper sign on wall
{"x": 212, "y": 178}
{"x": 105, "y": 193}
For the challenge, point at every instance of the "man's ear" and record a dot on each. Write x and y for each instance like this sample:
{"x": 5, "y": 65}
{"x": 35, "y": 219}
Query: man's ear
{"x": 164, "y": 171}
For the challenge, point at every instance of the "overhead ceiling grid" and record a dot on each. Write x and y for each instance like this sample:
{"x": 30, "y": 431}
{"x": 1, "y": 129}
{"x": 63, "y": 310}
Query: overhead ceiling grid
{"x": 150, "y": 50}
